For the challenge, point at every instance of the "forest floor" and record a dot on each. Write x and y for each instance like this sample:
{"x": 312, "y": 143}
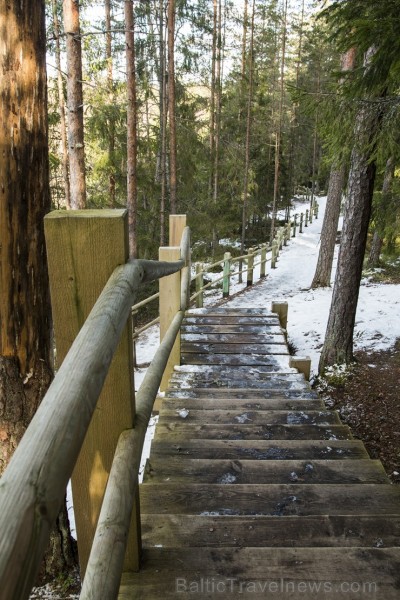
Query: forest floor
{"x": 366, "y": 395}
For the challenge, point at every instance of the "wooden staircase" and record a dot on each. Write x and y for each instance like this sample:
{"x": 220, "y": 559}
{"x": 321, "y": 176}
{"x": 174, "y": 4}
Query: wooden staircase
{"x": 253, "y": 489}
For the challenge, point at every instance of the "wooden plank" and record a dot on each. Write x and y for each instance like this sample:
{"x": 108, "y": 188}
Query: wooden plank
{"x": 241, "y": 404}
{"x": 175, "y": 432}
{"x": 233, "y": 360}
{"x": 270, "y": 499}
{"x": 226, "y": 348}
{"x": 232, "y": 320}
{"x": 177, "y": 224}
{"x": 258, "y": 573}
{"x": 240, "y": 393}
{"x": 267, "y": 328}
{"x": 263, "y": 450}
{"x": 273, "y": 417}
{"x": 84, "y": 248}
{"x": 203, "y": 371}
{"x": 234, "y": 338}
{"x": 160, "y": 469}
{"x": 169, "y": 305}
{"x": 228, "y": 310}
{"x": 183, "y": 531}
{"x": 226, "y": 386}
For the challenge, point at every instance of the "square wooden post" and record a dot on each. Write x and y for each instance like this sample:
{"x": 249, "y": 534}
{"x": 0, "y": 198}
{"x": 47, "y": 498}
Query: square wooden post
{"x": 227, "y": 273}
{"x": 170, "y": 304}
{"x": 83, "y": 248}
{"x": 281, "y": 309}
{"x": 302, "y": 364}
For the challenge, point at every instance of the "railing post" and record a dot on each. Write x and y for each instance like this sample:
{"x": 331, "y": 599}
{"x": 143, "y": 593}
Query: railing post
{"x": 263, "y": 260}
{"x": 306, "y": 219}
{"x": 250, "y": 267}
{"x": 170, "y": 304}
{"x": 199, "y": 285}
{"x": 227, "y": 273}
{"x": 302, "y": 364}
{"x": 281, "y": 309}
{"x": 316, "y": 207}
{"x": 301, "y": 222}
{"x": 83, "y": 248}
{"x": 311, "y": 212}
{"x": 177, "y": 224}
{"x": 274, "y": 252}
{"x": 294, "y": 225}
{"x": 289, "y": 230}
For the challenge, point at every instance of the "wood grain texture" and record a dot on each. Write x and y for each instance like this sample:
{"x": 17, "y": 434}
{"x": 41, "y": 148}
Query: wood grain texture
{"x": 84, "y": 248}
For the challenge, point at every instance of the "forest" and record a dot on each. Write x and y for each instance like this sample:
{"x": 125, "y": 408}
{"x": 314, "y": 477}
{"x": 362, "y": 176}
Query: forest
{"x": 224, "y": 110}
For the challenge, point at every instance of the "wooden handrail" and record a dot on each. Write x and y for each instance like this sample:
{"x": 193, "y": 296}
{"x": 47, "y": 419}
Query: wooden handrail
{"x": 33, "y": 486}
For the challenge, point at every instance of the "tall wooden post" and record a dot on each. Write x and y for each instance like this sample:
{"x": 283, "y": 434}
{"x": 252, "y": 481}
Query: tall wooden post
{"x": 294, "y": 225}
{"x": 263, "y": 260}
{"x": 170, "y": 293}
{"x": 170, "y": 304}
{"x": 250, "y": 267}
{"x": 84, "y": 248}
{"x": 199, "y": 285}
{"x": 177, "y": 224}
{"x": 306, "y": 219}
{"x": 227, "y": 272}
{"x": 274, "y": 254}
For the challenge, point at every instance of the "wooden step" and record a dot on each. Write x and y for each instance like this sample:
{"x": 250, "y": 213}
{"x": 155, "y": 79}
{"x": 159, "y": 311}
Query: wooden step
{"x": 240, "y": 404}
{"x": 228, "y": 310}
{"x": 231, "y": 319}
{"x": 173, "y": 468}
{"x": 258, "y": 573}
{"x": 226, "y": 348}
{"x": 277, "y": 338}
{"x": 262, "y": 329}
{"x": 254, "y": 417}
{"x": 240, "y": 393}
{"x": 266, "y": 360}
{"x": 269, "y": 499}
{"x": 176, "y": 432}
{"x": 177, "y": 531}
{"x": 262, "y": 449}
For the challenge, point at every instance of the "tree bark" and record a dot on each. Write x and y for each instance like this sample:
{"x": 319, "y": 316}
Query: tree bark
{"x": 377, "y": 240}
{"x": 172, "y": 108}
{"x": 280, "y": 124}
{"x": 25, "y": 322}
{"x": 75, "y": 104}
{"x": 338, "y": 345}
{"x": 322, "y": 276}
{"x": 248, "y": 133}
{"x": 111, "y": 123}
{"x": 61, "y": 108}
{"x": 131, "y": 128}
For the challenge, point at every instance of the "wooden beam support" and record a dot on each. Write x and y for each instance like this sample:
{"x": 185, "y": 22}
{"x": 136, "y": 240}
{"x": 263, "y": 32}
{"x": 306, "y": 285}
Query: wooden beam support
{"x": 177, "y": 224}
{"x": 84, "y": 248}
{"x": 170, "y": 304}
{"x": 281, "y": 309}
{"x": 302, "y": 364}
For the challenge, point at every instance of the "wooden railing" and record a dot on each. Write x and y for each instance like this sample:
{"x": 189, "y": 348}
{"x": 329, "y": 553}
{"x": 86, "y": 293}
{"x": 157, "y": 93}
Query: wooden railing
{"x": 255, "y": 257}
{"x": 58, "y": 440}
{"x": 90, "y": 426}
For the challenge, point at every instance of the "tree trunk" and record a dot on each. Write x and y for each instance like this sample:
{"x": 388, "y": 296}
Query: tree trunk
{"x": 61, "y": 108}
{"x": 322, "y": 276}
{"x": 163, "y": 108}
{"x": 131, "y": 202}
{"x": 111, "y": 123}
{"x": 280, "y": 124}
{"x": 172, "y": 108}
{"x": 75, "y": 104}
{"x": 377, "y": 241}
{"x": 25, "y": 322}
{"x": 248, "y": 134}
{"x": 338, "y": 345}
